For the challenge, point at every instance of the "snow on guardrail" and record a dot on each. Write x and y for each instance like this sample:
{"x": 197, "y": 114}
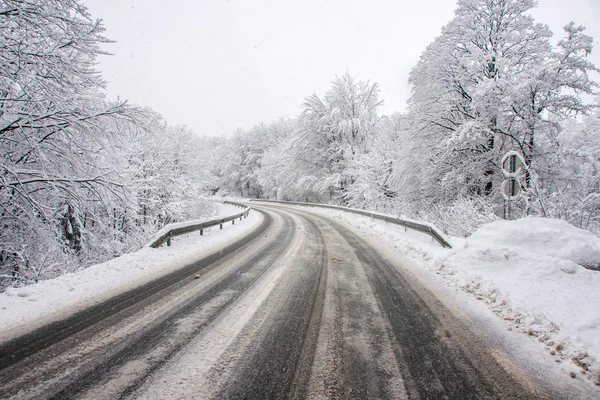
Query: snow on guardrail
{"x": 420, "y": 226}
{"x": 181, "y": 228}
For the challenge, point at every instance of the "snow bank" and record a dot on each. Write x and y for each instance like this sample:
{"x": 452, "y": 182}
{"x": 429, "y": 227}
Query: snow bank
{"x": 531, "y": 271}
{"x": 545, "y": 236}
{"x": 23, "y": 309}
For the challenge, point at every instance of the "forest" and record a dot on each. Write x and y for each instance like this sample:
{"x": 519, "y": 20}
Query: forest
{"x": 84, "y": 179}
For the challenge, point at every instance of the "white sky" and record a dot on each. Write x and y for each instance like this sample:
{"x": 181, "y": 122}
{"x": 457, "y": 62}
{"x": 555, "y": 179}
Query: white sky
{"x": 216, "y": 65}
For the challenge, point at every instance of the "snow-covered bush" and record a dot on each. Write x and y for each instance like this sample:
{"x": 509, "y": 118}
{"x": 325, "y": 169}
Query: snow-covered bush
{"x": 463, "y": 216}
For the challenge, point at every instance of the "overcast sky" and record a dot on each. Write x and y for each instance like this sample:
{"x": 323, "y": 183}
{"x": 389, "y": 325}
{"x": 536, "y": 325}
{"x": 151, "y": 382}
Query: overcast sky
{"x": 216, "y": 65}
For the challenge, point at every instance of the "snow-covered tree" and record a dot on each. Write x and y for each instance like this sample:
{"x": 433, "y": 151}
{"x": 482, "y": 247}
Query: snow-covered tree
{"x": 244, "y": 156}
{"x": 51, "y": 118}
{"x": 275, "y": 159}
{"x": 332, "y": 133}
{"x": 374, "y": 169}
{"x": 492, "y": 82}
{"x": 573, "y": 193}
{"x": 68, "y": 174}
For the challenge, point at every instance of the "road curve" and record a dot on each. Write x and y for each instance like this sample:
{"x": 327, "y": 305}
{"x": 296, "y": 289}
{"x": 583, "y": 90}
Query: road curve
{"x": 302, "y": 307}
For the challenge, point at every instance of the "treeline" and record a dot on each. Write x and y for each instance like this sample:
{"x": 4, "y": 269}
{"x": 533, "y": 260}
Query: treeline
{"x": 82, "y": 179}
{"x": 490, "y": 83}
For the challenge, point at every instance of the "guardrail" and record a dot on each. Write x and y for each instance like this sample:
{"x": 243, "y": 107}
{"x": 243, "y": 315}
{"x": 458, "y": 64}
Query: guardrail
{"x": 431, "y": 230}
{"x": 181, "y": 228}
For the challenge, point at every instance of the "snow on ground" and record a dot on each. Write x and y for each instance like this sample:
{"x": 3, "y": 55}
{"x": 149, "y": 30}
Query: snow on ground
{"x": 23, "y": 309}
{"x": 529, "y": 272}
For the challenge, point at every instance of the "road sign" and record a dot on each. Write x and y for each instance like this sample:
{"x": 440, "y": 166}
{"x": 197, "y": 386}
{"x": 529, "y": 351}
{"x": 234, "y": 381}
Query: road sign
{"x": 512, "y": 164}
{"x": 512, "y": 167}
{"x": 511, "y": 189}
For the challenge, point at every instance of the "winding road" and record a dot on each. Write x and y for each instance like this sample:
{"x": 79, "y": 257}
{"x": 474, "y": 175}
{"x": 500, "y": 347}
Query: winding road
{"x": 302, "y": 307}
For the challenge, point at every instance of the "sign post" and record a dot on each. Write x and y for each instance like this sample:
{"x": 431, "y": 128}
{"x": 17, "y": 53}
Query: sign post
{"x": 512, "y": 167}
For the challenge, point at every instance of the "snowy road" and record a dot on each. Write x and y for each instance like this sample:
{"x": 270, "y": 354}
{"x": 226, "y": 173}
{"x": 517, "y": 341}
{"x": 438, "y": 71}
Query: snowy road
{"x": 301, "y": 308}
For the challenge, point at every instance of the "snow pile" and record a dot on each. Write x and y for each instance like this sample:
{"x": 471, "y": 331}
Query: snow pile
{"x": 545, "y": 236}
{"x": 531, "y": 271}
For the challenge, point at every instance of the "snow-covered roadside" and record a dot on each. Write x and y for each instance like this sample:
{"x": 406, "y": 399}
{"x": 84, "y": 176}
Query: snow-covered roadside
{"x": 525, "y": 271}
{"x": 22, "y": 309}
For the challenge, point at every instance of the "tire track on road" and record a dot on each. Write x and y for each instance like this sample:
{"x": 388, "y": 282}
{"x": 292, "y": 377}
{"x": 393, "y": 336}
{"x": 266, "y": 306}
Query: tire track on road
{"x": 435, "y": 356}
{"x": 279, "y": 362}
{"x": 17, "y": 349}
{"x": 96, "y": 367}
{"x": 436, "y": 362}
{"x": 164, "y": 333}
{"x": 355, "y": 358}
